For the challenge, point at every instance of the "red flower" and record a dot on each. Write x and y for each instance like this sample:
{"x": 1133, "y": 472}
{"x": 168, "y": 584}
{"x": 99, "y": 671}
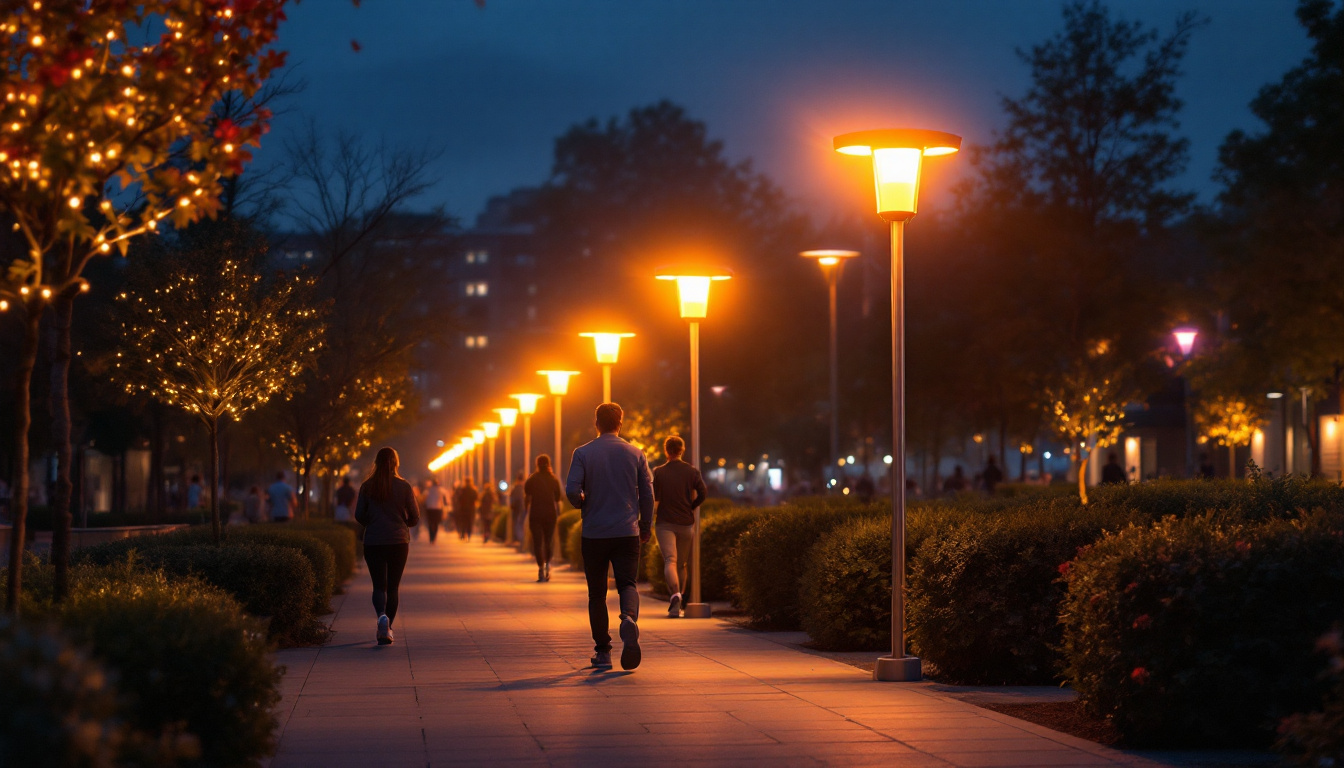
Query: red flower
{"x": 1139, "y": 675}
{"x": 1065, "y": 567}
{"x": 1143, "y": 622}
{"x": 1243, "y": 547}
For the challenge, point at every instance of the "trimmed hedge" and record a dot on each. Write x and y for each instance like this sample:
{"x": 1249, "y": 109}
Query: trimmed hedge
{"x": 567, "y": 520}
{"x": 342, "y": 540}
{"x": 572, "y": 546}
{"x": 1200, "y": 632}
{"x": 192, "y": 663}
{"x": 720, "y": 530}
{"x": 61, "y": 709}
{"x": 984, "y": 593}
{"x": 846, "y": 588}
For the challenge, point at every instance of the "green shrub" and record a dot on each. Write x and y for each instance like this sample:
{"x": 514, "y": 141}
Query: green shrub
{"x": 567, "y": 520}
{"x": 984, "y": 594}
{"x": 767, "y": 565}
{"x": 1200, "y": 632}
{"x": 318, "y": 554}
{"x": 846, "y": 587}
{"x": 1316, "y": 739}
{"x": 1260, "y": 499}
{"x": 61, "y": 709}
{"x": 720, "y": 530}
{"x": 573, "y": 547}
{"x": 190, "y": 661}
{"x": 342, "y": 540}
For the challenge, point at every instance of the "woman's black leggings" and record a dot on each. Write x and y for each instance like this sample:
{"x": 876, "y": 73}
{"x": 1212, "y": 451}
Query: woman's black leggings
{"x": 543, "y": 531}
{"x": 386, "y": 563}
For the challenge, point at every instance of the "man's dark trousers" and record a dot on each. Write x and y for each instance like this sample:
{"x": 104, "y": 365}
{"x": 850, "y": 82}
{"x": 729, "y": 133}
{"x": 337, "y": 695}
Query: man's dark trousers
{"x": 622, "y": 553}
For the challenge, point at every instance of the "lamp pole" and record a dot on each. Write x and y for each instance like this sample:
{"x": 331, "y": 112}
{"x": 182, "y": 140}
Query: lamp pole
{"x": 1185, "y": 342}
{"x": 558, "y": 411}
{"x": 527, "y": 405}
{"x": 693, "y": 296}
{"x": 831, "y": 261}
{"x": 507, "y": 418}
{"x": 608, "y": 348}
{"x": 897, "y": 156}
{"x": 558, "y": 381}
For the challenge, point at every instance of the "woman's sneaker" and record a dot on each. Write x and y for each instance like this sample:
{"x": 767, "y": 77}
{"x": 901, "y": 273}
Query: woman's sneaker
{"x": 384, "y": 630}
{"x": 674, "y": 607}
{"x": 601, "y": 660}
{"x": 548, "y": 573}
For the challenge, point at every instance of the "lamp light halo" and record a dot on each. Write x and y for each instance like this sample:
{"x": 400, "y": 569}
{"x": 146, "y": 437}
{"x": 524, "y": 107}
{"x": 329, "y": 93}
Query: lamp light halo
{"x": 676, "y": 271}
{"x": 595, "y": 335}
{"x": 828, "y": 253}
{"x": 931, "y": 143}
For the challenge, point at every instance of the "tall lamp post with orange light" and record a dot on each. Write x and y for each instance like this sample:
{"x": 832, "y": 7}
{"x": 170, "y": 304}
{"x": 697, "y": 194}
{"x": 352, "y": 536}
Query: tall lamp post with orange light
{"x": 491, "y": 429}
{"x": 693, "y": 296}
{"x": 468, "y": 451}
{"x": 897, "y": 155}
{"x": 831, "y": 261}
{"x": 1185, "y": 342}
{"x": 477, "y": 440}
{"x": 608, "y": 348}
{"x": 507, "y": 418}
{"x": 558, "y": 382}
{"x": 527, "y": 405}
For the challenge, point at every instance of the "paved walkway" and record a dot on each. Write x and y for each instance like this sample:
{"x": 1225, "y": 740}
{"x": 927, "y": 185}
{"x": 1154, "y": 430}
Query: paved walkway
{"x": 489, "y": 669}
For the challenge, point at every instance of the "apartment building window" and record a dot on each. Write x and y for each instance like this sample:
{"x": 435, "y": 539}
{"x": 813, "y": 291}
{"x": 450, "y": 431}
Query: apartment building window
{"x": 478, "y": 288}
{"x": 479, "y": 341}
{"x": 478, "y": 257}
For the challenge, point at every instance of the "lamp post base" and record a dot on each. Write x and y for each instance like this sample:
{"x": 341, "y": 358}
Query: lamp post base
{"x": 906, "y": 669}
{"x": 697, "y": 611}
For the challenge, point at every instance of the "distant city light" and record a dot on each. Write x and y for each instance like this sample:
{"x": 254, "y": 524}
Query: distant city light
{"x": 887, "y": 459}
{"x": 849, "y": 459}
{"x": 1046, "y": 454}
{"x": 1274, "y": 395}
{"x": 845, "y": 491}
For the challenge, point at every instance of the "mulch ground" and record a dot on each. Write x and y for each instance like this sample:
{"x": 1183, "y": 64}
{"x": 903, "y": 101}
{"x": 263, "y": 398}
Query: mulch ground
{"x": 1064, "y": 716}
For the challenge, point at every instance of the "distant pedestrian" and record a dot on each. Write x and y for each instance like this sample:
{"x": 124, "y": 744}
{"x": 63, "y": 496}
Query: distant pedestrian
{"x": 252, "y": 505}
{"x": 194, "y": 492}
{"x": 992, "y": 475}
{"x": 345, "y": 501}
{"x": 436, "y": 500}
{"x": 464, "y": 509}
{"x": 956, "y": 483}
{"x": 386, "y": 508}
{"x": 485, "y": 511}
{"x": 1206, "y": 468}
{"x": 517, "y": 506}
{"x": 863, "y": 488}
{"x": 678, "y": 490}
{"x": 282, "y": 500}
{"x": 542, "y": 496}
{"x": 609, "y": 481}
{"x": 1113, "y": 473}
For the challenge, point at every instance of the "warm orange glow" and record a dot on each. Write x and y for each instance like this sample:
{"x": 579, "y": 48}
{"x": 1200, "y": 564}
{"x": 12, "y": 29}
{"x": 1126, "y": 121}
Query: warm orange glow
{"x": 491, "y": 429}
{"x": 607, "y": 345}
{"x": 829, "y": 257}
{"x": 467, "y": 444}
{"x": 558, "y": 381}
{"x": 442, "y": 461}
{"x": 507, "y": 416}
{"x": 896, "y": 172}
{"x": 1185, "y": 340}
{"x": 693, "y": 292}
{"x": 527, "y": 403}
{"x": 828, "y": 261}
{"x": 477, "y": 436}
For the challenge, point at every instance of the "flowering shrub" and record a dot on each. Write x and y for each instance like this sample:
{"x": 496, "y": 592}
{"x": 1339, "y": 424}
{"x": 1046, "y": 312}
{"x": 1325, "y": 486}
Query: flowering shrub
{"x": 1200, "y": 632}
{"x": 1316, "y": 739}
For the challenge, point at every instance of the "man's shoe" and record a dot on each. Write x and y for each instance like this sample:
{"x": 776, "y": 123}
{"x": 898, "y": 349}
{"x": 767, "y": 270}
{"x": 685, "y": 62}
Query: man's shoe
{"x": 601, "y": 660}
{"x": 630, "y": 653}
{"x": 541, "y": 574}
{"x": 674, "y": 607}
{"x": 384, "y": 630}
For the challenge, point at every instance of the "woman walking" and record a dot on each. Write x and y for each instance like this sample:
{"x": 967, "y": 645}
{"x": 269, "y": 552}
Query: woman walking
{"x": 485, "y": 511}
{"x": 678, "y": 490}
{"x": 464, "y": 509}
{"x": 386, "y": 508}
{"x": 542, "y": 495}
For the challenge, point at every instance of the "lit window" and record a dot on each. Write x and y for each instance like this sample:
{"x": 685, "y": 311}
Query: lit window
{"x": 482, "y": 257}
{"x": 481, "y": 288}
{"x": 471, "y": 257}
{"x": 308, "y": 255}
{"x": 477, "y": 342}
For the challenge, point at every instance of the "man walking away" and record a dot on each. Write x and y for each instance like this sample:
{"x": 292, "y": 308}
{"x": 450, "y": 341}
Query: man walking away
{"x": 464, "y": 509}
{"x": 1113, "y": 473}
{"x": 282, "y": 499}
{"x": 517, "y": 507}
{"x": 679, "y": 490}
{"x": 543, "y": 497}
{"x": 436, "y": 500}
{"x": 609, "y": 481}
{"x": 345, "y": 501}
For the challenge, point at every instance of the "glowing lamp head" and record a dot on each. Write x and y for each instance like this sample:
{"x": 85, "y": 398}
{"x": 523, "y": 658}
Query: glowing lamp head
{"x": 1185, "y": 340}
{"x": 558, "y": 381}
{"x": 693, "y": 289}
{"x": 898, "y": 155}
{"x": 608, "y": 345}
{"x": 527, "y": 403}
{"x": 467, "y": 444}
{"x": 477, "y": 436}
{"x": 491, "y": 429}
{"x": 507, "y": 416}
{"x": 441, "y": 461}
{"x": 1274, "y": 395}
{"x": 829, "y": 258}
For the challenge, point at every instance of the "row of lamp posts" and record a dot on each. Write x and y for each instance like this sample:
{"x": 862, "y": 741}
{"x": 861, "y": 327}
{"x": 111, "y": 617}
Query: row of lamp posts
{"x": 897, "y": 157}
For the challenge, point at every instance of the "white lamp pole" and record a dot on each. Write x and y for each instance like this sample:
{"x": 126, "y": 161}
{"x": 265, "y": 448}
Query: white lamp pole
{"x": 507, "y": 418}
{"x": 558, "y": 381}
{"x": 897, "y": 156}
{"x": 693, "y": 297}
{"x": 831, "y": 262}
{"x": 608, "y": 348}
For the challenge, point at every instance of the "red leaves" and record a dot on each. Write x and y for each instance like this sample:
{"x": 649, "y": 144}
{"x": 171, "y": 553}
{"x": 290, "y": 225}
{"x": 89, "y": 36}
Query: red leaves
{"x": 226, "y": 131}
{"x": 1065, "y": 567}
{"x": 1143, "y": 622}
{"x": 1140, "y": 675}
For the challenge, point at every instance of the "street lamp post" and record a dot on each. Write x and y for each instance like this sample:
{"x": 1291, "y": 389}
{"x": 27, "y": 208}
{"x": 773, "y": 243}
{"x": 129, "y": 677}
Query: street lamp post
{"x": 507, "y": 418}
{"x": 608, "y": 347}
{"x": 464, "y": 461}
{"x": 558, "y": 381}
{"x": 693, "y": 296}
{"x": 897, "y": 156}
{"x": 831, "y": 261}
{"x": 527, "y": 405}
{"x": 491, "y": 429}
{"x": 477, "y": 440}
{"x": 1185, "y": 342}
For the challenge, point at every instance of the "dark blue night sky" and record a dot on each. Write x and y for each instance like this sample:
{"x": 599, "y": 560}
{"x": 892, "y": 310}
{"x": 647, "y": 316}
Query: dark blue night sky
{"x": 775, "y": 79}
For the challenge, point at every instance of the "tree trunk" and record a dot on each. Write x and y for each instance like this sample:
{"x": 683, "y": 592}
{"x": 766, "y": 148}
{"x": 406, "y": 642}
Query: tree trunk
{"x": 1082, "y": 479}
{"x": 59, "y": 335}
{"x": 22, "y": 421}
{"x": 213, "y": 426}
{"x": 306, "y": 478}
{"x": 1231, "y": 462}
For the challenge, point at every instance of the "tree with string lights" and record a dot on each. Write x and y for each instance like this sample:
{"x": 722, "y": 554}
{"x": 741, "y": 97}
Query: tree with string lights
{"x": 210, "y": 336}
{"x": 1086, "y": 405}
{"x": 107, "y": 128}
{"x": 1228, "y": 421}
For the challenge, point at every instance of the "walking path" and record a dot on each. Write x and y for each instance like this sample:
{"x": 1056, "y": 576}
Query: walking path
{"x": 489, "y": 668}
